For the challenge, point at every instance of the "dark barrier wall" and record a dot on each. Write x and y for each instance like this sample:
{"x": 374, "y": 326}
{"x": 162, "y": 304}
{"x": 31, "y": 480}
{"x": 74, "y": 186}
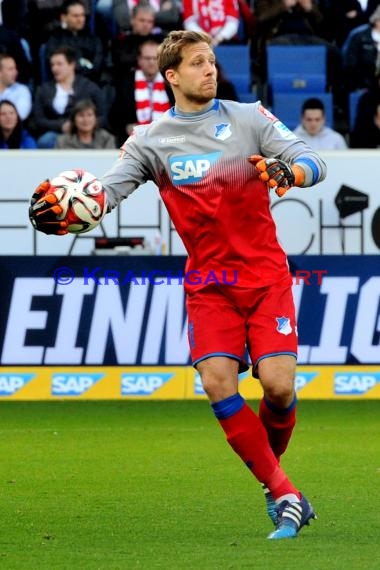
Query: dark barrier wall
{"x": 127, "y": 310}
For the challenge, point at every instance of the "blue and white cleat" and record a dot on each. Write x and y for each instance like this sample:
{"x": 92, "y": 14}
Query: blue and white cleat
{"x": 271, "y": 505}
{"x": 291, "y": 518}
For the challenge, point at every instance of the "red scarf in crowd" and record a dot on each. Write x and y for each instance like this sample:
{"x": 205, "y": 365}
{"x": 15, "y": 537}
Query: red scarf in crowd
{"x": 151, "y": 98}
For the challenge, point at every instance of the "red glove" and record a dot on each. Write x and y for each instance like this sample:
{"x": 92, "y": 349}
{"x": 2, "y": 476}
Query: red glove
{"x": 277, "y": 173}
{"x": 44, "y": 211}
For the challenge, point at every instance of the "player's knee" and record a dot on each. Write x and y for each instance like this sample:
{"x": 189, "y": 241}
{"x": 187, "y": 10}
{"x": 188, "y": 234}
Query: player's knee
{"x": 217, "y": 386}
{"x": 219, "y": 377}
{"x": 280, "y": 392}
{"x": 212, "y": 383}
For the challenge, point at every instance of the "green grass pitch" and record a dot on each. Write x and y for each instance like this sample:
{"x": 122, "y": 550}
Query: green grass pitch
{"x": 153, "y": 485}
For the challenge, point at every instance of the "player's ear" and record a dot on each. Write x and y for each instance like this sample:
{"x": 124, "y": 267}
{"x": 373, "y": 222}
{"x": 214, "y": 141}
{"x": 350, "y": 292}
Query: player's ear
{"x": 171, "y": 77}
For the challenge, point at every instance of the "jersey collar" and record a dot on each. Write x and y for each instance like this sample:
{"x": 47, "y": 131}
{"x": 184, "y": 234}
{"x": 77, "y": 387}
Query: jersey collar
{"x": 174, "y": 112}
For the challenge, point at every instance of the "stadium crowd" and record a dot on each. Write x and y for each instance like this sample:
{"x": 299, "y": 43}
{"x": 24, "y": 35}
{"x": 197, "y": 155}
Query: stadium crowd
{"x": 56, "y": 53}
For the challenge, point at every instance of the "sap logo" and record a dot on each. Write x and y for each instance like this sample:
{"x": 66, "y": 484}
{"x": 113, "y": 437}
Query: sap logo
{"x": 198, "y": 386}
{"x": 191, "y": 168}
{"x": 304, "y": 378}
{"x": 72, "y": 384}
{"x": 11, "y": 383}
{"x": 355, "y": 383}
{"x": 143, "y": 384}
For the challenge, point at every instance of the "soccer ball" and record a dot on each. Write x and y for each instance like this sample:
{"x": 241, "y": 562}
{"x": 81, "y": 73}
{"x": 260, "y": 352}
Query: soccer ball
{"x": 82, "y": 198}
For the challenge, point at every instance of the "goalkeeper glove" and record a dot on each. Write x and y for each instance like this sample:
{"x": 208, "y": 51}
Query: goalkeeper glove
{"x": 44, "y": 209}
{"x": 277, "y": 173}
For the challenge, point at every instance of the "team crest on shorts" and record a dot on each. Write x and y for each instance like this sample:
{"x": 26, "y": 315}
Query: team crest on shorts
{"x": 223, "y": 131}
{"x": 283, "y": 325}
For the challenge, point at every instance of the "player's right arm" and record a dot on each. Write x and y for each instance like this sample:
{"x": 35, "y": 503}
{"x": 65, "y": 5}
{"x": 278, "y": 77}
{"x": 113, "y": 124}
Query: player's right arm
{"x": 127, "y": 173}
{"x": 44, "y": 209}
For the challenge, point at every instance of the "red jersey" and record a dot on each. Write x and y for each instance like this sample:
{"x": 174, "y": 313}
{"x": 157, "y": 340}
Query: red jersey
{"x": 217, "y": 203}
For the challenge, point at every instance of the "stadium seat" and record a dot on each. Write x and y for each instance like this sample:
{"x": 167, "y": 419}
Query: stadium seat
{"x": 241, "y": 82}
{"x": 300, "y": 68}
{"x": 287, "y": 107}
{"x": 235, "y": 62}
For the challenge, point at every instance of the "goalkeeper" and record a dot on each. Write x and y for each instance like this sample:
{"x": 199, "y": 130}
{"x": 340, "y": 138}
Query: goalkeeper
{"x": 215, "y": 163}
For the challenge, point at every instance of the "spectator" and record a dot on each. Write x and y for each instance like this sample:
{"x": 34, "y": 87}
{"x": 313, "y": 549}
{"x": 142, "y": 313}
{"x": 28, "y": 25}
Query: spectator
{"x": 125, "y": 46}
{"x": 219, "y": 18}
{"x": 166, "y": 13}
{"x": 12, "y": 133}
{"x": 366, "y": 110}
{"x": 361, "y": 54}
{"x": 43, "y": 17}
{"x": 284, "y": 17}
{"x": 340, "y": 17}
{"x": 18, "y": 93}
{"x": 84, "y": 132}
{"x": 144, "y": 98}
{"x": 369, "y": 7}
{"x": 11, "y": 44}
{"x": 313, "y": 130}
{"x": 14, "y": 15}
{"x": 284, "y": 21}
{"x": 73, "y": 33}
{"x": 367, "y": 135}
{"x": 55, "y": 98}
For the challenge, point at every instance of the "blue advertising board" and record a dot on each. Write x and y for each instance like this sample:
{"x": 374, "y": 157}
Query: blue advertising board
{"x": 129, "y": 310}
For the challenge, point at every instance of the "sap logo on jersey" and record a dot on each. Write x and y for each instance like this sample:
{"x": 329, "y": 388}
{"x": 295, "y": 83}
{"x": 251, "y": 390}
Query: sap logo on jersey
{"x": 304, "y": 378}
{"x": 73, "y": 384}
{"x": 143, "y": 384}
{"x": 11, "y": 383}
{"x": 355, "y": 383}
{"x": 191, "y": 168}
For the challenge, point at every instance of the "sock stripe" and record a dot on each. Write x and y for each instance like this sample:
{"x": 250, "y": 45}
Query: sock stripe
{"x": 281, "y": 411}
{"x": 228, "y": 407}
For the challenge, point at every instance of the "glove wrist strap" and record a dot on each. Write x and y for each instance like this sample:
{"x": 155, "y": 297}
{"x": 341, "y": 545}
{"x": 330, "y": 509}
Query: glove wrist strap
{"x": 299, "y": 175}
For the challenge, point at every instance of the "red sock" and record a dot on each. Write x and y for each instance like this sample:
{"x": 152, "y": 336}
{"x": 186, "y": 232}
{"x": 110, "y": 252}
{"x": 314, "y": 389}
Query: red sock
{"x": 279, "y": 424}
{"x": 248, "y": 438}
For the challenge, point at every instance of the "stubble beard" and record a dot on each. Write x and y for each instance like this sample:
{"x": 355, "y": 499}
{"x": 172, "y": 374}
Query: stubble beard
{"x": 199, "y": 98}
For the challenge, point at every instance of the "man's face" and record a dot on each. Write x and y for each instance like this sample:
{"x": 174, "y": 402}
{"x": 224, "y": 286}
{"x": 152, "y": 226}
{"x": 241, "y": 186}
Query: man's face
{"x": 61, "y": 68}
{"x": 75, "y": 19}
{"x": 147, "y": 61}
{"x": 313, "y": 121}
{"x": 143, "y": 22}
{"x": 8, "y": 71}
{"x": 195, "y": 77}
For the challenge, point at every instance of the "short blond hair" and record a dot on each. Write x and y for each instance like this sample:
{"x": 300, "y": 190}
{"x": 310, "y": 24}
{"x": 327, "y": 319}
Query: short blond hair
{"x": 170, "y": 51}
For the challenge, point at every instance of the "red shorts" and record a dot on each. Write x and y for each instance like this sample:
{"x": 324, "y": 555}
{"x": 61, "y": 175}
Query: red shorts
{"x": 224, "y": 321}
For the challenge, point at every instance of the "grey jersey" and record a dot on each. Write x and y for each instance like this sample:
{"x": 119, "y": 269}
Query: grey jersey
{"x": 212, "y": 193}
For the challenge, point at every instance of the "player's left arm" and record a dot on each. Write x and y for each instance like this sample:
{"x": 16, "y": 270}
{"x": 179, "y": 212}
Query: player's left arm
{"x": 278, "y": 174}
{"x": 284, "y": 160}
